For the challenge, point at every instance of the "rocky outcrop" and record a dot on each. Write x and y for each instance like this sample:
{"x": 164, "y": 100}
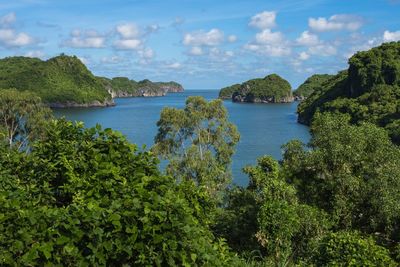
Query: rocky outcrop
{"x": 170, "y": 87}
{"x": 265, "y": 100}
{"x": 69, "y": 104}
{"x": 120, "y": 87}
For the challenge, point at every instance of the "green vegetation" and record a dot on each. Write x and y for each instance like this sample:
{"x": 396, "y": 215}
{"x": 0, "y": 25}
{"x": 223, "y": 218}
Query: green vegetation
{"x": 305, "y": 210}
{"x": 369, "y": 91}
{"x": 271, "y": 89}
{"x": 227, "y": 92}
{"x": 198, "y": 142}
{"x": 83, "y": 197}
{"x": 311, "y": 84}
{"x": 59, "y": 80}
{"x": 22, "y": 117}
{"x": 124, "y": 87}
{"x": 87, "y": 197}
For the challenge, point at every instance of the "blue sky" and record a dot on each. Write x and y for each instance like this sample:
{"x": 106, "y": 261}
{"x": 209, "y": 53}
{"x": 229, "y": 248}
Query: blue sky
{"x": 203, "y": 44}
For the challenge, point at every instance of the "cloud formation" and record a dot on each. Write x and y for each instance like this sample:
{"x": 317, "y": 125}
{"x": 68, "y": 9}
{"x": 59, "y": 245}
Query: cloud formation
{"x": 267, "y": 42}
{"x": 201, "y": 38}
{"x": 85, "y": 39}
{"x": 263, "y": 20}
{"x": 9, "y": 37}
{"x": 335, "y": 23}
{"x": 391, "y": 36}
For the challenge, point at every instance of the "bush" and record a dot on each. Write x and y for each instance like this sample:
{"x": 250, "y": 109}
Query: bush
{"x": 88, "y": 197}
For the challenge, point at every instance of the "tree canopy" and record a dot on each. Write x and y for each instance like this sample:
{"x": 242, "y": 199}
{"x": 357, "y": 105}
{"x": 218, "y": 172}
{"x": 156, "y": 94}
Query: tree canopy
{"x": 198, "y": 143}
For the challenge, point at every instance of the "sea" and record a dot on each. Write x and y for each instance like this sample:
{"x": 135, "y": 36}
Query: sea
{"x": 264, "y": 128}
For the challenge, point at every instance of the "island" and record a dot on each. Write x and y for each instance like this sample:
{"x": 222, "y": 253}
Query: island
{"x": 368, "y": 91}
{"x": 124, "y": 87}
{"x": 270, "y": 89}
{"x": 64, "y": 81}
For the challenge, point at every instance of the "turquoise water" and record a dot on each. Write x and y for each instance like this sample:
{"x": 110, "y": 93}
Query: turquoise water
{"x": 264, "y": 128}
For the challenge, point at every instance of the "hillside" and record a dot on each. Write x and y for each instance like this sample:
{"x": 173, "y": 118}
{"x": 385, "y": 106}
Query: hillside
{"x": 369, "y": 90}
{"x": 310, "y": 85}
{"x": 60, "y": 81}
{"x": 124, "y": 87}
{"x": 271, "y": 89}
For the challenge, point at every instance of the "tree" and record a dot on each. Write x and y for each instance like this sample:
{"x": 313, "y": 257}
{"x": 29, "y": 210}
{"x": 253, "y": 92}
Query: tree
{"x": 198, "y": 142}
{"x": 350, "y": 249}
{"x": 87, "y": 197}
{"x": 350, "y": 171}
{"x": 22, "y": 117}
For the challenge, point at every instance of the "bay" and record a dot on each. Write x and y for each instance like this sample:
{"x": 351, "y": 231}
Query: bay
{"x": 264, "y": 128}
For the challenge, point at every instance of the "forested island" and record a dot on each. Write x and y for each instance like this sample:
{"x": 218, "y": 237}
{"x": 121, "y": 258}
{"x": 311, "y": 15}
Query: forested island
{"x": 270, "y": 89}
{"x": 77, "y": 196}
{"x": 64, "y": 81}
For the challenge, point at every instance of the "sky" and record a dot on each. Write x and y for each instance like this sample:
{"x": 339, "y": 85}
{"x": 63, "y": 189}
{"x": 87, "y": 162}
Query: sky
{"x": 202, "y": 44}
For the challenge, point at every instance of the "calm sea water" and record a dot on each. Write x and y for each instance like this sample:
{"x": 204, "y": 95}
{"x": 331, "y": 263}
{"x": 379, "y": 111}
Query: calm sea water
{"x": 264, "y": 128}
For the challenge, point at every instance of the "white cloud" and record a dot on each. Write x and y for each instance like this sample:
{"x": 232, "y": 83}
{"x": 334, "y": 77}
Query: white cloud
{"x": 269, "y": 50}
{"x": 335, "y": 23}
{"x": 9, "y": 37}
{"x": 146, "y": 53}
{"x": 8, "y": 19}
{"x": 152, "y": 28}
{"x": 303, "y": 56}
{"x": 86, "y": 39}
{"x": 128, "y": 31}
{"x": 232, "y": 38}
{"x": 175, "y": 65}
{"x": 308, "y": 39}
{"x": 84, "y": 60}
{"x": 200, "y": 38}
{"x": 391, "y": 36}
{"x": 35, "y": 53}
{"x": 268, "y": 37}
{"x": 196, "y": 51}
{"x": 111, "y": 60}
{"x": 229, "y": 53}
{"x": 218, "y": 55}
{"x": 263, "y": 20}
{"x": 323, "y": 50}
{"x": 129, "y": 44}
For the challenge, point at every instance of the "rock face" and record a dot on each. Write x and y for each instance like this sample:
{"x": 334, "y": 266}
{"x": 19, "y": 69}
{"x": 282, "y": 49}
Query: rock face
{"x": 271, "y": 89}
{"x": 107, "y": 103}
{"x": 120, "y": 87}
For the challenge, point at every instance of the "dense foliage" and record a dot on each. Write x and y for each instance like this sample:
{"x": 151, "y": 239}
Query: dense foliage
{"x": 87, "y": 197}
{"x": 369, "y": 91}
{"x": 311, "y": 84}
{"x": 271, "y": 89}
{"x": 305, "y": 209}
{"x": 61, "y": 79}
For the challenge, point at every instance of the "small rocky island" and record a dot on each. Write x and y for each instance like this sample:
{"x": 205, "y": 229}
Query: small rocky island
{"x": 124, "y": 87}
{"x": 271, "y": 89}
{"x": 64, "y": 81}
